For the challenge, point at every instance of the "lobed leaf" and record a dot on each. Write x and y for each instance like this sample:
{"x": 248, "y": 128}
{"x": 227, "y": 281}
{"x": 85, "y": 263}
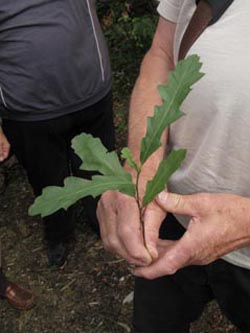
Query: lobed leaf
{"x": 96, "y": 157}
{"x": 54, "y": 198}
{"x": 180, "y": 81}
{"x": 166, "y": 168}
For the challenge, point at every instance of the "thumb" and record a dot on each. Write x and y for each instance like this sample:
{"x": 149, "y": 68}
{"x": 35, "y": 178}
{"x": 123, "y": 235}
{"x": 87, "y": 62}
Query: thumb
{"x": 176, "y": 203}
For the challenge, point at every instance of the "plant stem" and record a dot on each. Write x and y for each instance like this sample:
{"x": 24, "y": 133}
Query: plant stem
{"x": 139, "y": 206}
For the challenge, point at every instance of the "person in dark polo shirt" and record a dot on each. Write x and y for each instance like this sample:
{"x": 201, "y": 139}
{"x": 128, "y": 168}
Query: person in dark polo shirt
{"x": 55, "y": 82}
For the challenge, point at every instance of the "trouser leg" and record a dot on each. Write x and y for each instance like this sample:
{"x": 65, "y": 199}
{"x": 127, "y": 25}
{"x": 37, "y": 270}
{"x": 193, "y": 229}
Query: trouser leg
{"x": 3, "y": 282}
{"x": 159, "y": 307}
{"x": 96, "y": 120}
{"x": 42, "y": 148}
{"x": 231, "y": 287}
{"x": 169, "y": 304}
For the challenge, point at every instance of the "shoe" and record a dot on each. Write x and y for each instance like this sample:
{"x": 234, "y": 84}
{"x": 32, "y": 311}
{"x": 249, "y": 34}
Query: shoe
{"x": 18, "y": 297}
{"x": 57, "y": 253}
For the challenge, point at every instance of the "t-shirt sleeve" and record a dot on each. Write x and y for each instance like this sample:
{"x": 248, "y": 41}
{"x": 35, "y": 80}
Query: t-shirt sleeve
{"x": 169, "y": 9}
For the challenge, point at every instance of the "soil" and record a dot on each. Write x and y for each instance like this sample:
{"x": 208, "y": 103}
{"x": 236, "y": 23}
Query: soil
{"x": 93, "y": 292}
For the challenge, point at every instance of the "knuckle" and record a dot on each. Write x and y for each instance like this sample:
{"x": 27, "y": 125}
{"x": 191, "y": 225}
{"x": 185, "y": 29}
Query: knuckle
{"x": 106, "y": 247}
{"x": 137, "y": 256}
{"x": 124, "y": 231}
{"x": 105, "y": 243}
{"x": 104, "y": 201}
{"x": 112, "y": 245}
{"x": 171, "y": 265}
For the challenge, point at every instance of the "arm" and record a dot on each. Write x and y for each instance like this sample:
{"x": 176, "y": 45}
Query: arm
{"x": 118, "y": 214}
{"x": 220, "y": 223}
{"x": 4, "y": 146}
{"x": 154, "y": 71}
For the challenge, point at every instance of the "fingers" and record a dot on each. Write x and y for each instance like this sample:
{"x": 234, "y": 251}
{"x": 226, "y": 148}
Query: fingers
{"x": 4, "y": 147}
{"x": 4, "y": 152}
{"x": 130, "y": 234}
{"x": 153, "y": 217}
{"x": 120, "y": 228}
{"x": 1, "y": 155}
{"x": 172, "y": 257}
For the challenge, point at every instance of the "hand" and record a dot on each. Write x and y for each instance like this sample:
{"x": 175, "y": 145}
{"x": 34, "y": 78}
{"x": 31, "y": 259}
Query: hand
{"x": 220, "y": 223}
{"x": 121, "y": 232}
{"x": 4, "y": 146}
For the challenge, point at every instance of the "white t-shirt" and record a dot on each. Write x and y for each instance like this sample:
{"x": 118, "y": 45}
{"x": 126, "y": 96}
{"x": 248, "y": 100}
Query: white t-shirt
{"x": 216, "y": 128}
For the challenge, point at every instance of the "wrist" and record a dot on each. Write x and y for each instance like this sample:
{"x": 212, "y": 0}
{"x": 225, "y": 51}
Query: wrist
{"x": 246, "y": 217}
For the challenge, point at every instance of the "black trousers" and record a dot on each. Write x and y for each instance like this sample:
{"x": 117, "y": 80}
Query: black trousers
{"x": 44, "y": 150}
{"x": 3, "y": 282}
{"x": 169, "y": 304}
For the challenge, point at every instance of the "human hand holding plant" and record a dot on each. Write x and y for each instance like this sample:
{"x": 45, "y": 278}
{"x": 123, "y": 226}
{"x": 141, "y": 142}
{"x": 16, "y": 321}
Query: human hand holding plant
{"x": 122, "y": 230}
{"x": 211, "y": 233}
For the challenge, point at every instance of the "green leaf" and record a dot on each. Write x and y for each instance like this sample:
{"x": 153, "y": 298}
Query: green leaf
{"x": 54, "y": 198}
{"x": 95, "y": 156}
{"x": 127, "y": 155}
{"x": 167, "y": 167}
{"x": 180, "y": 81}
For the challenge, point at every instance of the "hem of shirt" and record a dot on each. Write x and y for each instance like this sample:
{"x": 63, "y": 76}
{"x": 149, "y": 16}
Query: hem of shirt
{"x": 40, "y": 115}
{"x": 168, "y": 11}
{"x": 231, "y": 258}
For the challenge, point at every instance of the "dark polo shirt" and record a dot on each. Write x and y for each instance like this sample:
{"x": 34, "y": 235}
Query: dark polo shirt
{"x": 53, "y": 58}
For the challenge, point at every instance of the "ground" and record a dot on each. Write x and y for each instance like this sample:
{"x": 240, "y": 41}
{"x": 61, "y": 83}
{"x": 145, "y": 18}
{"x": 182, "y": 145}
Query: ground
{"x": 92, "y": 294}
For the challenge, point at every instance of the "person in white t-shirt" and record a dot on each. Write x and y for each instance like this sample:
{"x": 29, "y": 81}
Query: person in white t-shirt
{"x": 202, "y": 251}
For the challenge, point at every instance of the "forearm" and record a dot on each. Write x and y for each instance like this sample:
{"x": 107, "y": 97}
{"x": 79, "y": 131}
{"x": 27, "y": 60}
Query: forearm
{"x": 154, "y": 71}
{"x": 145, "y": 96}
